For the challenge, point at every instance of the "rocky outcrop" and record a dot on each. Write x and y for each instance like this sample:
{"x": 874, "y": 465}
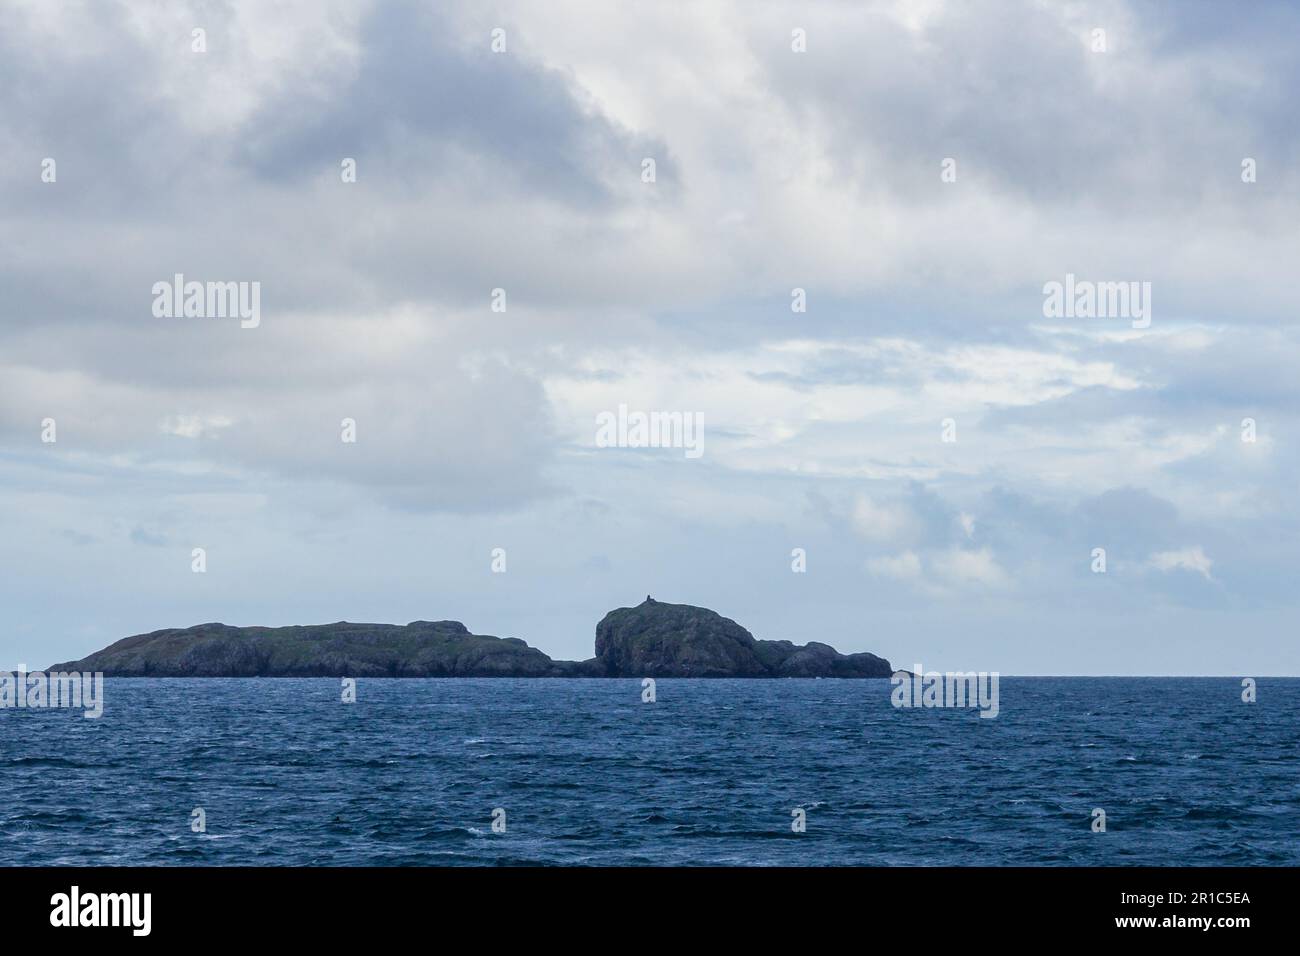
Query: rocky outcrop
{"x": 418, "y": 649}
{"x": 655, "y": 639}
{"x": 652, "y": 639}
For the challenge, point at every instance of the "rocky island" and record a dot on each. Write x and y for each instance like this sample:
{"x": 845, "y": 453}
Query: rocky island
{"x": 653, "y": 639}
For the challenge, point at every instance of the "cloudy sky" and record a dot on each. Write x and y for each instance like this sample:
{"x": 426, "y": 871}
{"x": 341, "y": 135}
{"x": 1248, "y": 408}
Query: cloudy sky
{"x": 775, "y": 170}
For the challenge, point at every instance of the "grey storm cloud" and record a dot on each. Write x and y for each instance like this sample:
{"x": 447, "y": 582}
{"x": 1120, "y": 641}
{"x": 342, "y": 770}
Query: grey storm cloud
{"x": 420, "y": 105}
{"x": 449, "y": 138}
{"x": 1016, "y": 94}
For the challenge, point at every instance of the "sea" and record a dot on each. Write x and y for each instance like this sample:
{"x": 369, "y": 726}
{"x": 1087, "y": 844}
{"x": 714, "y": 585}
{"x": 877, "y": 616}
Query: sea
{"x": 278, "y": 772}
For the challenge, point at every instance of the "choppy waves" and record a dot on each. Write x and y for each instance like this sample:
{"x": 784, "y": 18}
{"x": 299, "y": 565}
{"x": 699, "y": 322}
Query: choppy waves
{"x": 710, "y": 773}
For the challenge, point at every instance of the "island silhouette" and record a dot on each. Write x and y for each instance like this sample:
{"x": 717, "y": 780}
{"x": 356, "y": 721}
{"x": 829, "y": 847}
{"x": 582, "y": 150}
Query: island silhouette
{"x": 653, "y": 639}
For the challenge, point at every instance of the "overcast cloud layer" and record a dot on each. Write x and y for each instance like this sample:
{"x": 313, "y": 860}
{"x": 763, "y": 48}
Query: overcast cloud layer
{"x": 775, "y": 170}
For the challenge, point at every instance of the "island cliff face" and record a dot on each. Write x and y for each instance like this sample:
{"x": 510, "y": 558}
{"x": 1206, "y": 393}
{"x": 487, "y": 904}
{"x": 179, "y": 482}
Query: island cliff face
{"x": 650, "y": 640}
{"x": 655, "y": 639}
{"x": 418, "y": 649}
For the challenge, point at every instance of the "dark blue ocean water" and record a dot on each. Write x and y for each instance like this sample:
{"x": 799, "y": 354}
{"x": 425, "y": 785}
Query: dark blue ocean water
{"x": 587, "y": 774}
